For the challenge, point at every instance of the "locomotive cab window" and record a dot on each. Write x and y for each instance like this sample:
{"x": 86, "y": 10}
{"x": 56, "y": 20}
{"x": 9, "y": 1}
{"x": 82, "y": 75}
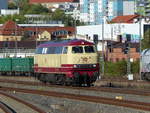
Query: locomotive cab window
{"x": 77, "y": 49}
{"x": 65, "y": 50}
{"x": 89, "y": 49}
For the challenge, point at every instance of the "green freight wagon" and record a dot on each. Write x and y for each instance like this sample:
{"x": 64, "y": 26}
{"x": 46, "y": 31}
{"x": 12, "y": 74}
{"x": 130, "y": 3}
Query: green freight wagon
{"x": 23, "y": 65}
{"x": 5, "y": 65}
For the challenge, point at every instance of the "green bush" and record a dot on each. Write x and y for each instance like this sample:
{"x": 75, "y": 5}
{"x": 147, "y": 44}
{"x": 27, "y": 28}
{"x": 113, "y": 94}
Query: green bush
{"x": 120, "y": 68}
{"x": 115, "y": 69}
{"x": 135, "y": 66}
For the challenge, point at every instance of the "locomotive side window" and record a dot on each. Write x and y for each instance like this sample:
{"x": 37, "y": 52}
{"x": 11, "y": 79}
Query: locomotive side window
{"x": 54, "y": 50}
{"x": 44, "y": 50}
{"x": 89, "y": 49}
{"x": 77, "y": 49}
{"x": 39, "y": 50}
{"x": 58, "y": 50}
{"x": 65, "y": 50}
{"x": 51, "y": 50}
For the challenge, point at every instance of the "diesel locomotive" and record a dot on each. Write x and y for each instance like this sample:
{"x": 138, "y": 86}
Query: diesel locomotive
{"x": 70, "y": 62}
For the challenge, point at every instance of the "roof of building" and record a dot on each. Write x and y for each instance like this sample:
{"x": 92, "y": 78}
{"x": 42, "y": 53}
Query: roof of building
{"x": 124, "y": 19}
{"x": 49, "y": 29}
{"x": 10, "y": 28}
{"x": 49, "y": 1}
{"x": 65, "y": 43}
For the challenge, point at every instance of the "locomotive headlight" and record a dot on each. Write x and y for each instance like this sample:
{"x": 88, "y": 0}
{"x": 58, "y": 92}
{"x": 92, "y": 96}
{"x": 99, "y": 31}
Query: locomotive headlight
{"x": 94, "y": 65}
{"x": 75, "y": 66}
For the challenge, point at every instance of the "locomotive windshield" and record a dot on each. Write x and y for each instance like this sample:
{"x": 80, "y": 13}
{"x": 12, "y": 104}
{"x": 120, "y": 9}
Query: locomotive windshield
{"x": 80, "y": 49}
{"x": 89, "y": 49}
{"x": 65, "y": 50}
{"x": 77, "y": 49}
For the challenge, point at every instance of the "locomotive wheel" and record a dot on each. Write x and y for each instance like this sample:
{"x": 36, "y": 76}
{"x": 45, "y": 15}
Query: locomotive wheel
{"x": 143, "y": 76}
{"x": 60, "y": 79}
{"x": 147, "y": 76}
{"x": 42, "y": 78}
{"x": 68, "y": 81}
{"x": 88, "y": 82}
{"x": 76, "y": 81}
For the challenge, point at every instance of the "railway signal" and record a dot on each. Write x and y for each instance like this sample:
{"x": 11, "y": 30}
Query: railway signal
{"x": 95, "y": 39}
{"x": 127, "y": 47}
{"x": 127, "y": 51}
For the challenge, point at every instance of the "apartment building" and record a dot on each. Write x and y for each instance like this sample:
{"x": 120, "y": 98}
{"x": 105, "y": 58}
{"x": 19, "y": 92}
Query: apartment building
{"x": 97, "y": 11}
{"x": 147, "y": 7}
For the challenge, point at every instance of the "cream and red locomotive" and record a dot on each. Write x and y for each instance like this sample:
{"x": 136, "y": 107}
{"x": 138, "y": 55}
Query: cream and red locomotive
{"x": 68, "y": 62}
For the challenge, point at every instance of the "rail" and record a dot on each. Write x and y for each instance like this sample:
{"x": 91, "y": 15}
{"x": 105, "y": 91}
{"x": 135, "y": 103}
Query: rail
{"x": 95, "y": 99}
{"x": 23, "y": 102}
{"x": 5, "y": 108}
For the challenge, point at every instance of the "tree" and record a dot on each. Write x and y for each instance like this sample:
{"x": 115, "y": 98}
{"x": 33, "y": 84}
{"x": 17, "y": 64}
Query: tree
{"x": 37, "y": 9}
{"x": 58, "y": 14}
{"x": 4, "y": 19}
{"x": 21, "y": 3}
{"x": 146, "y": 40}
{"x": 68, "y": 20}
{"x": 12, "y": 5}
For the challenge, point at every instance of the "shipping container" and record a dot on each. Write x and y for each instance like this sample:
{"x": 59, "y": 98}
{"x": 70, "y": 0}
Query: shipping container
{"x": 5, "y": 64}
{"x": 22, "y": 64}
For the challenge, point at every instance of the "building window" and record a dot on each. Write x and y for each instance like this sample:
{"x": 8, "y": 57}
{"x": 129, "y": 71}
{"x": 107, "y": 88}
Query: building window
{"x": 110, "y": 50}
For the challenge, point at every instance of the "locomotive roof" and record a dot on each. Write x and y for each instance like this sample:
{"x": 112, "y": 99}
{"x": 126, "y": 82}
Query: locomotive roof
{"x": 69, "y": 42}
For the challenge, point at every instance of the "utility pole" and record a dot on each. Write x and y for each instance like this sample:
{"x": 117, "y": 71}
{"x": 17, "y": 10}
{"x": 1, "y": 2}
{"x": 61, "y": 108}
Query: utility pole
{"x": 75, "y": 24}
{"x": 36, "y": 43}
{"x": 127, "y": 51}
{"x": 103, "y": 47}
{"x": 140, "y": 32}
{"x": 128, "y": 60}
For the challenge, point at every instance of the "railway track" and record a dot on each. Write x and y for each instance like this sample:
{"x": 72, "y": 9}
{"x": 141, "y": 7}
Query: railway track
{"x": 125, "y": 103}
{"x": 4, "y": 108}
{"x": 102, "y": 89}
{"x": 29, "y": 106}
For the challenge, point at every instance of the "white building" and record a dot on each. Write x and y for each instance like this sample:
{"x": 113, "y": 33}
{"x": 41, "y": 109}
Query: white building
{"x": 9, "y": 11}
{"x": 110, "y": 32}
